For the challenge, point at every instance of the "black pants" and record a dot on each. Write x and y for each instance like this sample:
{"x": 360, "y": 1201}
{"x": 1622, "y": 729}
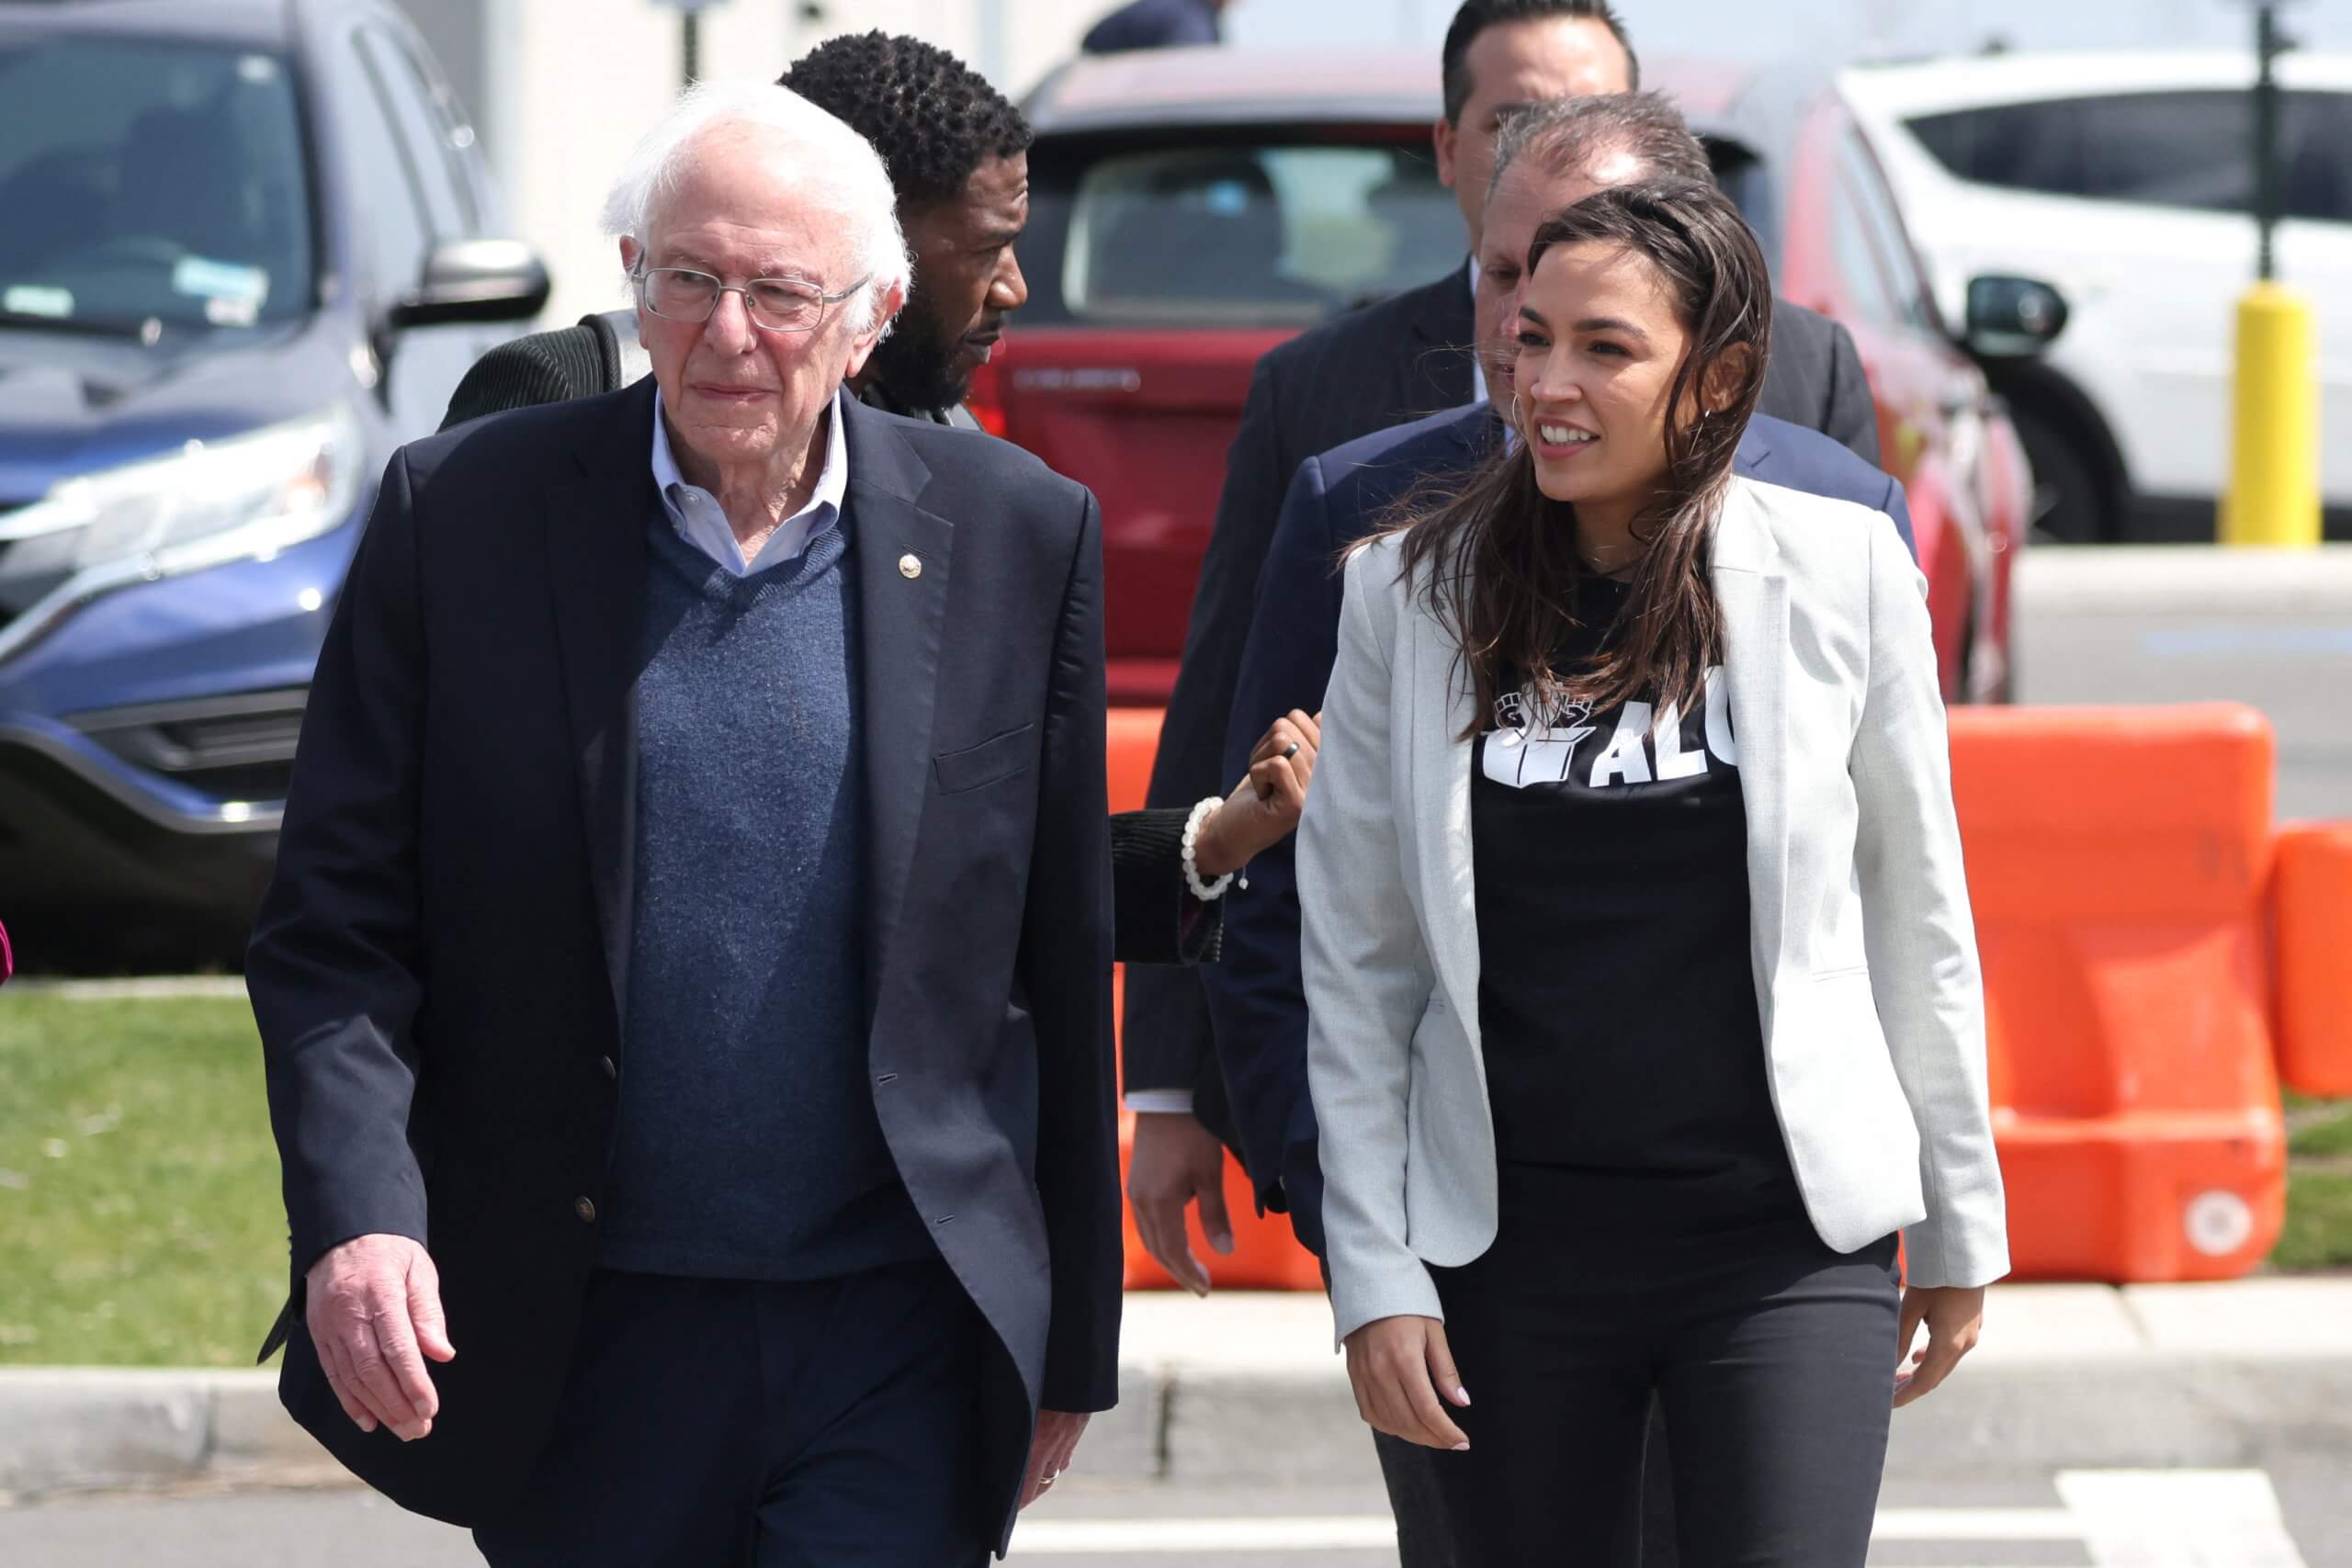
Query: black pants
{"x": 1425, "y": 1539}
{"x": 1773, "y": 1358}
{"x": 725, "y": 1423}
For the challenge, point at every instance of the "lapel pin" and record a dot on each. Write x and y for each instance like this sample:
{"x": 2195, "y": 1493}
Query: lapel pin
{"x": 911, "y": 565}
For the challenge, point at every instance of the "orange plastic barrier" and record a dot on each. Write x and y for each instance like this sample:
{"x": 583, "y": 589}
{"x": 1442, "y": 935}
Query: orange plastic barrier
{"x": 2127, "y": 882}
{"x": 2312, "y": 911}
{"x": 2118, "y": 862}
{"x": 1265, "y": 1256}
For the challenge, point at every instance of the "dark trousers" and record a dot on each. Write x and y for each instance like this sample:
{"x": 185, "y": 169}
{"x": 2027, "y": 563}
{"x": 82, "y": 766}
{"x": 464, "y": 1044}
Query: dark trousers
{"x": 1424, "y": 1539}
{"x": 1772, "y": 1357}
{"x": 728, "y": 1423}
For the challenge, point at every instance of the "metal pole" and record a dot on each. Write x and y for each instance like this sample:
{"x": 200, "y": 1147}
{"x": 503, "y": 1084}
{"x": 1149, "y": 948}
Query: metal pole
{"x": 2266, "y": 194}
{"x": 690, "y": 46}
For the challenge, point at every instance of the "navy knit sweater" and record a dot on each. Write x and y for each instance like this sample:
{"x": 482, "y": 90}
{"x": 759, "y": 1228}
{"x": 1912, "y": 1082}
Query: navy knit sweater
{"x": 747, "y": 1145}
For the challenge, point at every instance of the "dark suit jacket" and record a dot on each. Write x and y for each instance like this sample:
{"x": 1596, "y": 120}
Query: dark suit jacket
{"x": 1256, "y": 996}
{"x": 441, "y": 963}
{"x": 1370, "y": 370}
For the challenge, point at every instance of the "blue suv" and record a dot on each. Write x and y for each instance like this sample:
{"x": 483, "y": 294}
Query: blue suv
{"x": 249, "y": 247}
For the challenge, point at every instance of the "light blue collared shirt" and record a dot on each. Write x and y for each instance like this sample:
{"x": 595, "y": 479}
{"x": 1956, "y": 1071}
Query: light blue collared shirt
{"x": 702, "y": 522}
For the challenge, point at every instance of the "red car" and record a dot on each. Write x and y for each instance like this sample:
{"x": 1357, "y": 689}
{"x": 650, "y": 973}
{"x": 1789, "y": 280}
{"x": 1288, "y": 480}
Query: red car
{"x": 1190, "y": 208}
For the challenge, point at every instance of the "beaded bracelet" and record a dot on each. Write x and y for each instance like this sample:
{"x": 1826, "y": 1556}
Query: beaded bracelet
{"x": 1206, "y": 892}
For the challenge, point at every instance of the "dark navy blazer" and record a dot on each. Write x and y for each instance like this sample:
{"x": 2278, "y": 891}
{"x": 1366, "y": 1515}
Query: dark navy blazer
{"x": 1257, "y": 1000}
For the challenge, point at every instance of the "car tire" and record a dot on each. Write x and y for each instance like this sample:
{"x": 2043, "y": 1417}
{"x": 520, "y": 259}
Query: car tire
{"x": 2072, "y": 503}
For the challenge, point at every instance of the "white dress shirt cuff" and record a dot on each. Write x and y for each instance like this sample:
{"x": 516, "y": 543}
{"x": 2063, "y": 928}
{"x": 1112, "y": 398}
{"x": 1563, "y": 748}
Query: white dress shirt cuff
{"x": 1160, "y": 1101}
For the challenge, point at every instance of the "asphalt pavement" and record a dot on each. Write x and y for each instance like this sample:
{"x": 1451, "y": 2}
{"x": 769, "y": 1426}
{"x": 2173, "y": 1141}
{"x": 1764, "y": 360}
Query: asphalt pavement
{"x": 2295, "y": 1515}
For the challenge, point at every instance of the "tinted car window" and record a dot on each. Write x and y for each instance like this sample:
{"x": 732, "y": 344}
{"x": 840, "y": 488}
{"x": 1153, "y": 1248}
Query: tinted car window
{"x": 149, "y": 181}
{"x": 393, "y": 228}
{"x": 1905, "y": 286}
{"x": 2316, "y": 132}
{"x": 425, "y": 131}
{"x": 1250, "y": 236}
{"x": 2188, "y": 150}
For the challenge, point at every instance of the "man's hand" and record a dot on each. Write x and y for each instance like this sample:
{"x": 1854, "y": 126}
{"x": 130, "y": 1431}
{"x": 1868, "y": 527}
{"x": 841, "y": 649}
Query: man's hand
{"x": 374, "y": 1310}
{"x": 1264, "y": 806}
{"x": 1177, "y": 1161}
{"x": 1955, "y": 1318}
{"x": 1398, "y": 1366}
{"x": 1050, "y": 1452}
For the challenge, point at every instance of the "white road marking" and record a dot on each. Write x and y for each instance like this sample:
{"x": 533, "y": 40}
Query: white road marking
{"x": 1976, "y": 1523}
{"x": 2179, "y": 1519}
{"x": 1339, "y": 1532}
{"x": 2143, "y": 1518}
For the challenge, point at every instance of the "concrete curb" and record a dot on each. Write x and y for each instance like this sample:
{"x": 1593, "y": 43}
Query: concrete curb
{"x": 2202, "y": 581}
{"x": 1246, "y": 1390}
{"x": 101, "y": 1429}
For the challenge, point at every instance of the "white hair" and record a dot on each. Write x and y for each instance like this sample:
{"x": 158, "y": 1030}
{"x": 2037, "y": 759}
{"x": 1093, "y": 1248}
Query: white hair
{"x": 833, "y": 162}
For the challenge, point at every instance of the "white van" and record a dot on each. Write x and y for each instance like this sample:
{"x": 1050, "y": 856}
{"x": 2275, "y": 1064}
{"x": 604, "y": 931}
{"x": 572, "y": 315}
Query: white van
{"x": 2125, "y": 181}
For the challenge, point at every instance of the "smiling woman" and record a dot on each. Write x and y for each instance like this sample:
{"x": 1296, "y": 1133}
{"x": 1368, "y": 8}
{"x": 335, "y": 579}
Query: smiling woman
{"x": 1638, "y": 1107}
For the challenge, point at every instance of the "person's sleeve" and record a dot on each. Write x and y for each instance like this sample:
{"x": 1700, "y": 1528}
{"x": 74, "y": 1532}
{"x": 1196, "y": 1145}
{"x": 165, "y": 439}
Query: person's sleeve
{"x": 1919, "y": 935}
{"x": 1368, "y": 975}
{"x": 1850, "y": 415}
{"x": 520, "y": 373}
{"x": 1257, "y": 997}
{"x": 1159, "y": 921}
{"x": 1898, "y": 511}
{"x": 1166, "y": 1042}
{"x": 1065, "y": 969}
{"x": 333, "y": 969}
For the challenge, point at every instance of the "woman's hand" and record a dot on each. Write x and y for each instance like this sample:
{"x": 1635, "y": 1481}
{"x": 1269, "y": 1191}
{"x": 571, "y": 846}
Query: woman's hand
{"x": 1263, "y": 807}
{"x": 1397, "y": 1365}
{"x": 1955, "y": 1318}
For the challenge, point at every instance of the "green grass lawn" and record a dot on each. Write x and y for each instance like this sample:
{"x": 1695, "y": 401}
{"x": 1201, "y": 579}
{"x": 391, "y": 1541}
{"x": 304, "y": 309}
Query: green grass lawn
{"x": 2318, "y": 1234}
{"x": 139, "y": 1220}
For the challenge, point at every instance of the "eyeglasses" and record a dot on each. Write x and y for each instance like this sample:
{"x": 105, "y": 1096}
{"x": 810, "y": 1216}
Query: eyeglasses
{"x": 774, "y": 304}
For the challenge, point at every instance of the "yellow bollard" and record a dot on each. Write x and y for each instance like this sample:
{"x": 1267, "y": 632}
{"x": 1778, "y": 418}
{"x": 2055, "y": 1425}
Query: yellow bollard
{"x": 2273, "y": 497}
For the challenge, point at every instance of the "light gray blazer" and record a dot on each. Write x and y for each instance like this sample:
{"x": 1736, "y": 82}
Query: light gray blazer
{"x": 1860, "y": 940}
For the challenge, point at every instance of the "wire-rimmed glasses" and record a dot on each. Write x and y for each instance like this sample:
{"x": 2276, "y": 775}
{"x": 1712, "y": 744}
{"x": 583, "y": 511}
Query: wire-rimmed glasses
{"x": 774, "y": 304}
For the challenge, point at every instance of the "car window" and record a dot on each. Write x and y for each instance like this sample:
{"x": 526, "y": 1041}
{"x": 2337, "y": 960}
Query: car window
{"x": 2315, "y": 133}
{"x": 1907, "y": 296}
{"x": 1249, "y": 235}
{"x": 387, "y": 205}
{"x": 151, "y": 181}
{"x": 1861, "y": 275}
{"x": 426, "y": 129}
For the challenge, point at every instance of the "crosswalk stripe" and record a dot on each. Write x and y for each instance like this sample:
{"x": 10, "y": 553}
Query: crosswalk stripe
{"x": 1340, "y": 1532}
{"x": 2126, "y": 1518}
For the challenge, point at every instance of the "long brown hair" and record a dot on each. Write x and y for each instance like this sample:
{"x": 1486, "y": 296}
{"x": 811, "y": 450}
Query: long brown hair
{"x": 1499, "y": 558}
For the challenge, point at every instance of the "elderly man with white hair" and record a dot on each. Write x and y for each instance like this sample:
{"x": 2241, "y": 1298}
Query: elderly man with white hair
{"x": 685, "y": 988}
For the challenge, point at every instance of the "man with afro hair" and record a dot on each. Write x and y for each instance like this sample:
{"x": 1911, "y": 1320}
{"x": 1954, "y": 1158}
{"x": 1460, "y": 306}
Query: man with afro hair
{"x": 958, "y": 155}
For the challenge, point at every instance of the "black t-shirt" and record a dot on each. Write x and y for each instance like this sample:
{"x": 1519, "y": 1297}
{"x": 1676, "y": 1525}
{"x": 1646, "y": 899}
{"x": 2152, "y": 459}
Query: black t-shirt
{"x": 1616, "y": 999}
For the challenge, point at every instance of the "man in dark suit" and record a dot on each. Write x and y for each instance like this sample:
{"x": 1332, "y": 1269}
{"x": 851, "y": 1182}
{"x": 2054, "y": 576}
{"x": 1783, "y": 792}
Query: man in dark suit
{"x": 1371, "y": 371}
{"x": 1551, "y": 155}
{"x": 648, "y": 1008}
{"x": 1156, "y": 24}
{"x": 958, "y": 154}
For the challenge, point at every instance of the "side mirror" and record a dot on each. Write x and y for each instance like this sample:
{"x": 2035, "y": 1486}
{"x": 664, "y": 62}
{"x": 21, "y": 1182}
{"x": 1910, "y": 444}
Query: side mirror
{"x": 474, "y": 280}
{"x": 2013, "y": 317}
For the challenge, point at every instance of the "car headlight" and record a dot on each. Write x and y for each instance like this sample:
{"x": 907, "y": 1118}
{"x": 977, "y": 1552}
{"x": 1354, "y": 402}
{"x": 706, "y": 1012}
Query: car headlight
{"x": 211, "y": 502}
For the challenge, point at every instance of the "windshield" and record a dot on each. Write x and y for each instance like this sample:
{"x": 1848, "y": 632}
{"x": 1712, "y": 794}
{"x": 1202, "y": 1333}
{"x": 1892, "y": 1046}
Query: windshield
{"x": 1238, "y": 234}
{"x": 149, "y": 185}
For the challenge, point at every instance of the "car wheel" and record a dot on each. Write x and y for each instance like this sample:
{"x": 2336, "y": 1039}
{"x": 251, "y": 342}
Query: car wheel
{"x": 2070, "y": 501}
